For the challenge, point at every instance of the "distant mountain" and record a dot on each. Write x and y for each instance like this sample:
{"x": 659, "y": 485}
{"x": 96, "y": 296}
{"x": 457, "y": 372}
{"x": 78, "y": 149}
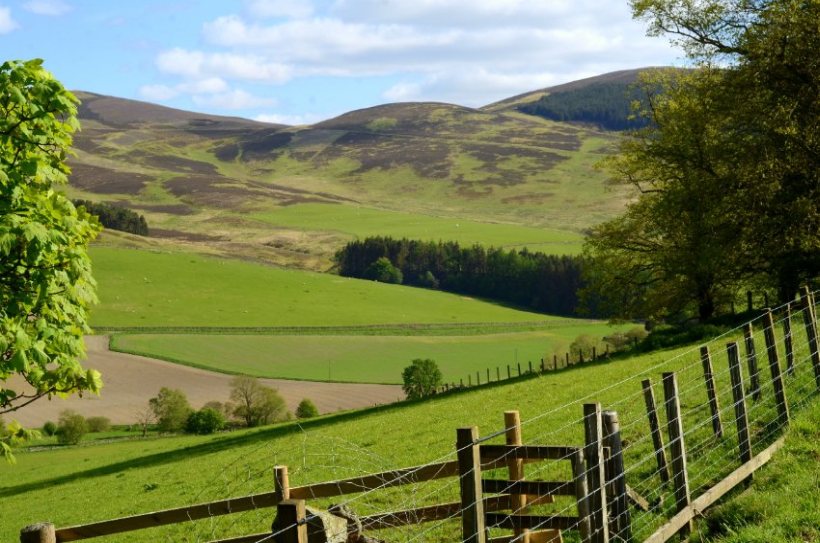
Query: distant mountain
{"x": 244, "y": 188}
{"x": 122, "y": 113}
{"x": 603, "y": 101}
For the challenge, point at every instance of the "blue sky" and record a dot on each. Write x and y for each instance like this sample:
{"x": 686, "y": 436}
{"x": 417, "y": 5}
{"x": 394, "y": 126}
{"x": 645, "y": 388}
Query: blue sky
{"x": 299, "y": 61}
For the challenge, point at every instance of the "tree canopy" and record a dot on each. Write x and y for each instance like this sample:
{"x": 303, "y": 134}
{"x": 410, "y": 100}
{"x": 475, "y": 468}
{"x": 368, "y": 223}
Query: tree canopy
{"x": 728, "y": 168}
{"x": 46, "y": 286}
{"x": 421, "y": 378}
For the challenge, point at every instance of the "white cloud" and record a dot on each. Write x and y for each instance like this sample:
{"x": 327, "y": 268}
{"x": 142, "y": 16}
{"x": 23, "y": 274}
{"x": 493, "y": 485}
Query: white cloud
{"x": 7, "y": 23}
{"x": 470, "y": 52}
{"x": 47, "y": 7}
{"x": 235, "y": 99}
{"x": 294, "y": 9}
{"x": 196, "y": 64}
{"x": 160, "y": 93}
{"x": 293, "y": 120}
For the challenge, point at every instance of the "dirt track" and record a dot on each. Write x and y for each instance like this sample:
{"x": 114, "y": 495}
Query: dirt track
{"x": 131, "y": 380}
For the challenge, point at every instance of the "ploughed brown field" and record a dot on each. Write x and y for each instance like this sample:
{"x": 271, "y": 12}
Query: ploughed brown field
{"x": 129, "y": 381}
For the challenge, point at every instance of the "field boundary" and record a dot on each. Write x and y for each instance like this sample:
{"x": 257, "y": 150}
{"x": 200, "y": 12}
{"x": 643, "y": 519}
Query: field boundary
{"x": 473, "y": 328}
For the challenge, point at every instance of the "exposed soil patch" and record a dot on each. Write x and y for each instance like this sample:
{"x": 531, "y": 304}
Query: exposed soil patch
{"x": 173, "y": 163}
{"x": 106, "y": 181}
{"x": 427, "y": 158}
{"x": 170, "y": 209}
{"x": 184, "y": 236}
{"x": 130, "y": 381}
{"x": 535, "y": 198}
{"x": 263, "y": 143}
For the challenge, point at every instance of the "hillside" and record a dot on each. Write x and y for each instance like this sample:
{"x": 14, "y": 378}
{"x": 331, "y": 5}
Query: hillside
{"x": 292, "y": 195}
{"x": 603, "y": 101}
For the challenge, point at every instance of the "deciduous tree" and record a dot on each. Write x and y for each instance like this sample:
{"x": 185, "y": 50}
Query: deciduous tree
{"x": 421, "y": 378}
{"x": 171, "y": 409}
{"x": 255, "y": 403}
{"x": 46, "y": 286}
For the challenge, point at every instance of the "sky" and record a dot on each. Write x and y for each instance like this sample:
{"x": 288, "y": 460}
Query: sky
{"x": 301, "y": 61}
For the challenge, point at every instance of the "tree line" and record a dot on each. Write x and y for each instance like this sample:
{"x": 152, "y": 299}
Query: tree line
{"x": 116, "y": 217}
{"x": 545, "y": 283}
{"x": 727, "y": 169}
{"x": 605, "y": 104}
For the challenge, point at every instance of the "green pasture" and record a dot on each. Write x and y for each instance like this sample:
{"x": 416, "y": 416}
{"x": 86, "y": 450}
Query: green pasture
{"x": 144, "y": 288}
{"x": 73, "y": 485}
{"x": 359, "y": 358}
{"x": 360, "y": 222}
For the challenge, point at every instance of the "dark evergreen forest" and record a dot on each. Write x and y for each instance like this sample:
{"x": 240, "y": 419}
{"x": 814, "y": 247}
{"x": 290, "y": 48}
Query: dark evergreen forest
{"x": 116, "y": 217}
{"x": 607, "y": 105}
{"x": 544, "y": 283}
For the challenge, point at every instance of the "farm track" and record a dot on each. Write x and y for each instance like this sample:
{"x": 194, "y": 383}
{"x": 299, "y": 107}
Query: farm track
{"x": 131, "y": 380}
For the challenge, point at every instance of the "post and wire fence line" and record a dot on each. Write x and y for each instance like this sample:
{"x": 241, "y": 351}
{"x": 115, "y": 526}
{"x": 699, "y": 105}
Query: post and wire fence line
{"x": 638, "y": 460}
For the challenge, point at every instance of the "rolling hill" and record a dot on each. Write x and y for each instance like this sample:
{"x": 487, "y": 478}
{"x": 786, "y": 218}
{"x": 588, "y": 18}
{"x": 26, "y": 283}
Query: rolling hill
{"x": 293, "y": 195}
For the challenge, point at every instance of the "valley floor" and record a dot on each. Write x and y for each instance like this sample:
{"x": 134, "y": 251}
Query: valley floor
{"x": 131, "y": 380}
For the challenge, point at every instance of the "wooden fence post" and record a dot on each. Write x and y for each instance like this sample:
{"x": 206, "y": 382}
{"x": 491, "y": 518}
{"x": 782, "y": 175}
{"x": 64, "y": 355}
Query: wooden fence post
{"x": 749, "y": 305}
{"x": 655, "y": 430}
{"x": 281, "y": 482}
{"x": 543, "y": 367}
{"x": 477, "y": 378}
{"x": 290, "y": 522}
{"x": 680, "y": 477}
{"x": 618, "y": 506}
{"x": 567, "y": 360}
{"x": 472, "y": 499}
{"x": 519, "y": 368}
{"x": 811, "y": 331}
{"x": 581, "y": 495}
{"x": 787, "y": 338}
{"x": 709, "y": 377}
{"x": 508, "y": 371}
{"x": 488, "y": 375}
{"x": 38, "y": 533}
{"x": 741, "y": 418}
{"x": 596, "y": 474}
{"x": 469, "y": 380}
{"x": 751, "y": 359}
{"x": 555, "y": 361}
{"x": 774, "y": 366}
{"x": 530, "y": 365}
{"x": 515, "y": 467}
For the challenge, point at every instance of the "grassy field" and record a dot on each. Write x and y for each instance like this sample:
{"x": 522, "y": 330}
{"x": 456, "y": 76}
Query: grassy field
{"x": 109, "y": 480}
{"x": 360, "y": 222}
{"x": 142, "y": 288}
{"x": 359, "y": 358}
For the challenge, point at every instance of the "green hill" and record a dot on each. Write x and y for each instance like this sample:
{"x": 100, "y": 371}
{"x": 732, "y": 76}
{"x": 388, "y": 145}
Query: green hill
{"x": 292, "y": 195}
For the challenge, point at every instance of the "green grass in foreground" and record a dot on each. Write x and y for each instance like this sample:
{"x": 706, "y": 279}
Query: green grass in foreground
{"x": 75, "y": 485}
{"x": 783, "y": 504}
{"x": 142, "y": 288}
{"x": 359, "y": 358}
{"x": 362, "y": 222}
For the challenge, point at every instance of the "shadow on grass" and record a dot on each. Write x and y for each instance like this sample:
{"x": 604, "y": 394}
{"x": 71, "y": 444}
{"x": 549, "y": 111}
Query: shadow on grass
{"x": 246, "y": 437}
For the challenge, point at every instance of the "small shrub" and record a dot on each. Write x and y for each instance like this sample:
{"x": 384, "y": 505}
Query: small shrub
{"x": 205, "y": 421}
{"x": 421, "y": 378}
{"x": 98, "y": 424}
{"x": 50, "y": 428}
{"x": 383, "y": 271}
{"x": 306, "y": 409}
{"x": 71, "y": 427}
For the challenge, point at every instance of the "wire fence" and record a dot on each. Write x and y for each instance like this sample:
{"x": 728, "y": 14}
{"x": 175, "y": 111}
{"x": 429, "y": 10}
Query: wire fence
{"x": 711, "y": 451}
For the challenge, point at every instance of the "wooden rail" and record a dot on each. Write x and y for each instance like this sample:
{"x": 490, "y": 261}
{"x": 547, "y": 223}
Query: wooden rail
{"x": 353, "y": 485}
{"x": 683, "y": 517}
